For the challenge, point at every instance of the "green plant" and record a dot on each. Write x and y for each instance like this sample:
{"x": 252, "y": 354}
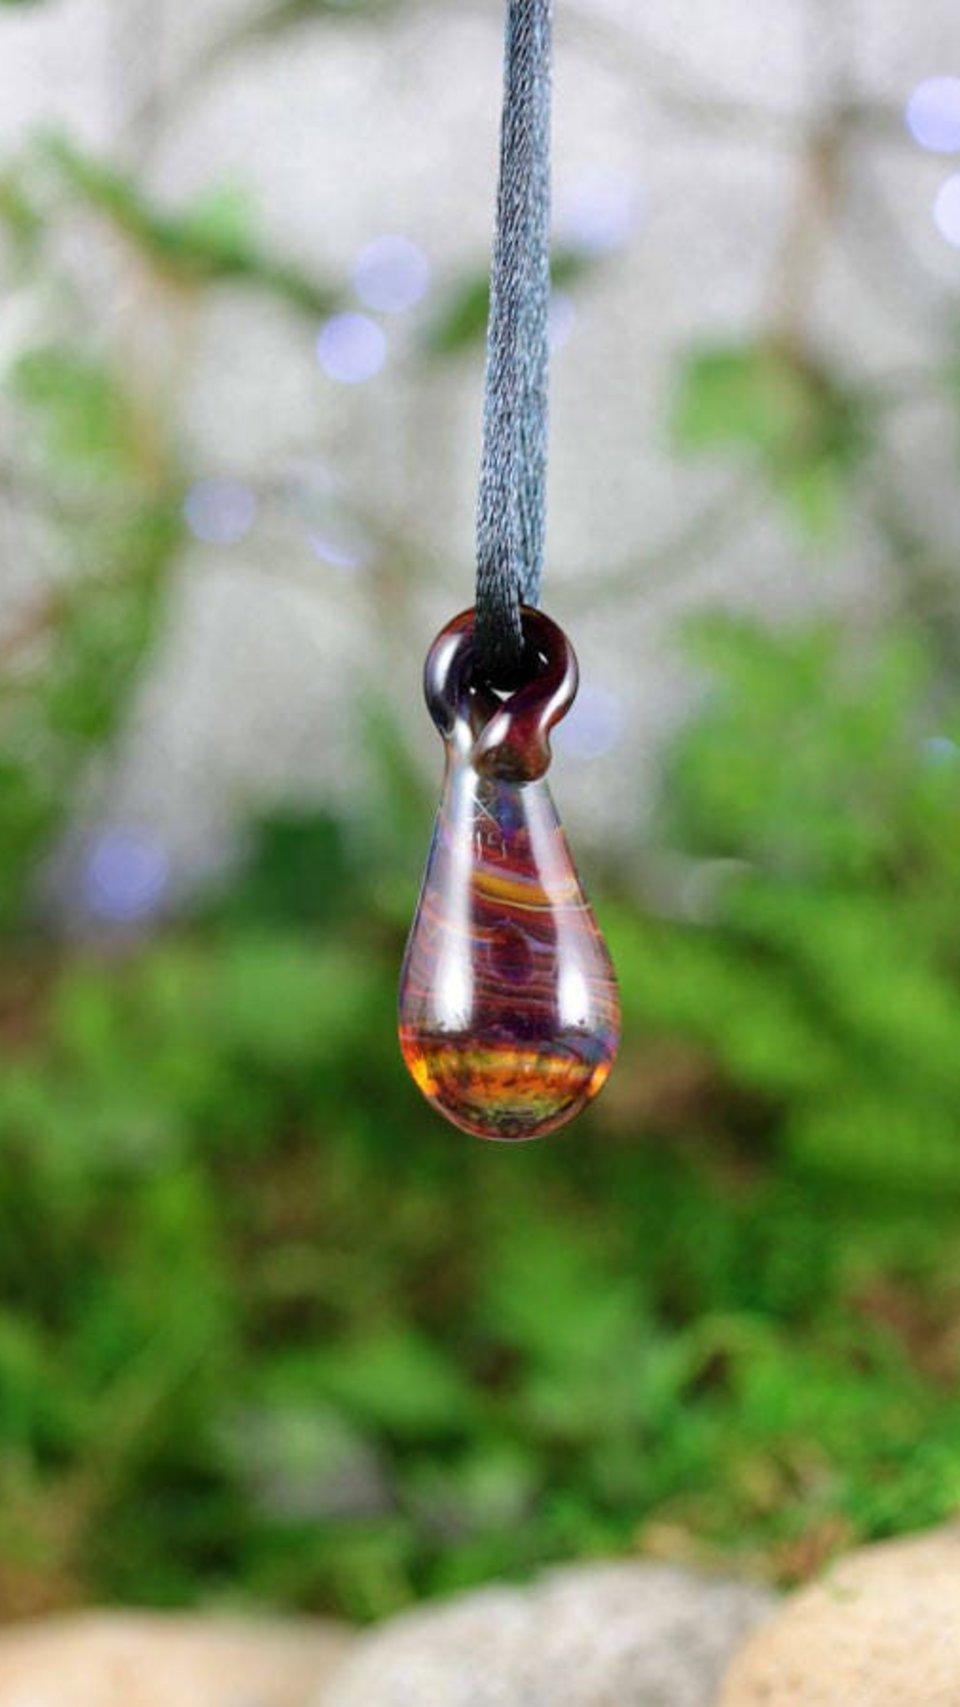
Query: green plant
{"x": 819, "y": 787}
{"x": 271, "y": 1330}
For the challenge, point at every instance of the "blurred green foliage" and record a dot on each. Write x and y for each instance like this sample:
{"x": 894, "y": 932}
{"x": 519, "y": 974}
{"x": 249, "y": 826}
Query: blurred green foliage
{"x": 806, "y": 432}
{"x": 210, "y": 242}
{"x": 826, "y": 774}
{"x": 270, "y": 1329}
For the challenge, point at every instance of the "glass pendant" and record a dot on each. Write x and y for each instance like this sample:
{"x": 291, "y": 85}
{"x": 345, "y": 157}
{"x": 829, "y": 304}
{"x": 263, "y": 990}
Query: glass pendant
{"x": 509, "y": 1014}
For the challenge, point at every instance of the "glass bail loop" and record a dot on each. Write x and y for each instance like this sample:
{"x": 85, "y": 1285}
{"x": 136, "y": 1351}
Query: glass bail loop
{"x": 509, "y": 1016}
{"x": 510, "y": 730}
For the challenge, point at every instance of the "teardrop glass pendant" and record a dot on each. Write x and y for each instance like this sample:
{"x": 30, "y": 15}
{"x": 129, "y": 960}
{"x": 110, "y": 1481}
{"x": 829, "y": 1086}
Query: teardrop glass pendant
{"x": 509, "y": 1014}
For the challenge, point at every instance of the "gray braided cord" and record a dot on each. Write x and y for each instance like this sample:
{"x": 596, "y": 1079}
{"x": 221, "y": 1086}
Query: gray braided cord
{"x": 512, "y": 502}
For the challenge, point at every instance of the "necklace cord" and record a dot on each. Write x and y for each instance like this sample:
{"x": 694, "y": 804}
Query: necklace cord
{"x": 511, "y": 510}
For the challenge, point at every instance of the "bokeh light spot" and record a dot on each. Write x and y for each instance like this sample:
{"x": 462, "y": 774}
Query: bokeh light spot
{"x": 599, "y": 211}
{"x": 939, "y": 750}
{"x": 946, "y": 210}
{"x": 391, "y": 274}
{"x": 563, "y": 318}
{"x": 126, "y": 876}
{"x": 593, "y": 726}
{"x": 220, "y": 512}
{"x": 340, "y": 544}
{"x": 351, "y": 348}
{"x": 933, "y": 114}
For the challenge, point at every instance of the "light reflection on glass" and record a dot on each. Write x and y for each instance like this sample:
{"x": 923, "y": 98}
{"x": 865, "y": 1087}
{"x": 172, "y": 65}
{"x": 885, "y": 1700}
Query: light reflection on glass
{"x": 573, "y": 997}
{"x": 599, "y": 211}
{"x": 946, "y": 210}
{"x": 933, "y": 114}
{"x": 563, "y": 318}
{"x": 126, "y": 875}
{"x": 391, "y": 274}
{"x": 593, "y": 726}
{"x": 220, "y": 512}
{"x": 351, "y": 348}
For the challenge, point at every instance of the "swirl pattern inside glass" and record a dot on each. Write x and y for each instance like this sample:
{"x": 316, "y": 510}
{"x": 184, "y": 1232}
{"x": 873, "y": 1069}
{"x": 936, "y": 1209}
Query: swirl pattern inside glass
{"x": 509, "y": 1014}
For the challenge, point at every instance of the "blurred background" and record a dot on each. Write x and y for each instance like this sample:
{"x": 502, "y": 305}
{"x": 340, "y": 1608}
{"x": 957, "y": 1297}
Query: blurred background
{"x": 269, "y": 1331}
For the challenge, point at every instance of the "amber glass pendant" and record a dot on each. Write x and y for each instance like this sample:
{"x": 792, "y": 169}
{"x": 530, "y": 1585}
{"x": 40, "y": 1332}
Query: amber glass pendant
{"x": 509, "y": 1015}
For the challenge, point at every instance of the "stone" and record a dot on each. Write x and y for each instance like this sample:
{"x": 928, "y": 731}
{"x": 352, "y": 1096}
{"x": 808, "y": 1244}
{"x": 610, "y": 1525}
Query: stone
{"x": 617, "y": 1635}
{"x": 881, "y": 1629}
{"x": 119, "y": 1659}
